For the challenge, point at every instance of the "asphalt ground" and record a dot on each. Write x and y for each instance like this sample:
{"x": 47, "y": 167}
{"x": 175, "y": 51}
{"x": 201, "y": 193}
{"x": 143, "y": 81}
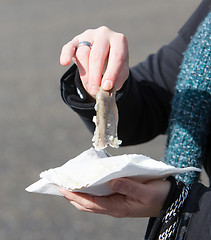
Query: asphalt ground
{"x": 38, "y": 131}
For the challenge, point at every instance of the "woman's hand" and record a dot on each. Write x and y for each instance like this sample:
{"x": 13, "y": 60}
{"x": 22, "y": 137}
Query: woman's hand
{"x": 109, "y": 49}
{"x": 132, "y": 199}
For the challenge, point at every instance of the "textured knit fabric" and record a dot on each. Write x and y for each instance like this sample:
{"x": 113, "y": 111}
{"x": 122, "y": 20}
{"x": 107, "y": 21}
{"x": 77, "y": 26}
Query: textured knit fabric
{"x": 189, "y": 123}
{"x": 165, "y": 225}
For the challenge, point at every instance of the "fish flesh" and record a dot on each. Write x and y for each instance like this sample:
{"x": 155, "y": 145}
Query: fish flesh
{"x": 106, "y": 120}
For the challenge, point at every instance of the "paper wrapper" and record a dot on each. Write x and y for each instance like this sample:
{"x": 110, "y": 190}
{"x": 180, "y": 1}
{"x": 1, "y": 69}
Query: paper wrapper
{"x": 91, "y": 171}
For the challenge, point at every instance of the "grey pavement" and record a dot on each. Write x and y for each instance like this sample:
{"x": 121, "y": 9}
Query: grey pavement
{"x": 38, "y": 131}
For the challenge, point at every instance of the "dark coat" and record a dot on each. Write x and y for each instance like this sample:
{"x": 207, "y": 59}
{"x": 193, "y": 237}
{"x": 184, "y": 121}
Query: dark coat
{"x": 144, "y": 105}
{"x": 144, "y": 102}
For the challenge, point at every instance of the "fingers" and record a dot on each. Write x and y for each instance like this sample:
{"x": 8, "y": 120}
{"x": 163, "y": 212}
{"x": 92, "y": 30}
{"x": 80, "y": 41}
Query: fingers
{"x": 83, "y": 202}
{"x": 113, "y": 205}
{"x": 132, "y": 199}
{"x": 79, "y": 55}
{"x": 98, "y": 56}
{"x": 117, "y": 70}
{"x": 82, "y": 61}
{"x": 68, "y": 52}
{"x": 148, "y": 197}
{"x": 147, "y": 192}
{"x": 106, "y": 46}
{"x": 128, "y": 187}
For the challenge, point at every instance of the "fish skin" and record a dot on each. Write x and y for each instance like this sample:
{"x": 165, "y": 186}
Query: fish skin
{"x": 106, "y": 120}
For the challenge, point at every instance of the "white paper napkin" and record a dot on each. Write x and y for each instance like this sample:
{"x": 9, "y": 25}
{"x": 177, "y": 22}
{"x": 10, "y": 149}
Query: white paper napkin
{"x": 91, "y": 171}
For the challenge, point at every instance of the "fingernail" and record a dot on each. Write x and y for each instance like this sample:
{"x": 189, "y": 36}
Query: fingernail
{"x": 107, "y": 85}
{"x": 116, "y": 185}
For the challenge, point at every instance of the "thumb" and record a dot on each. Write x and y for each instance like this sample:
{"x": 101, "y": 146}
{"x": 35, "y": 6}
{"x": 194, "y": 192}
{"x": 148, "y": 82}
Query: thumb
{"x": 125, "y": 186}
